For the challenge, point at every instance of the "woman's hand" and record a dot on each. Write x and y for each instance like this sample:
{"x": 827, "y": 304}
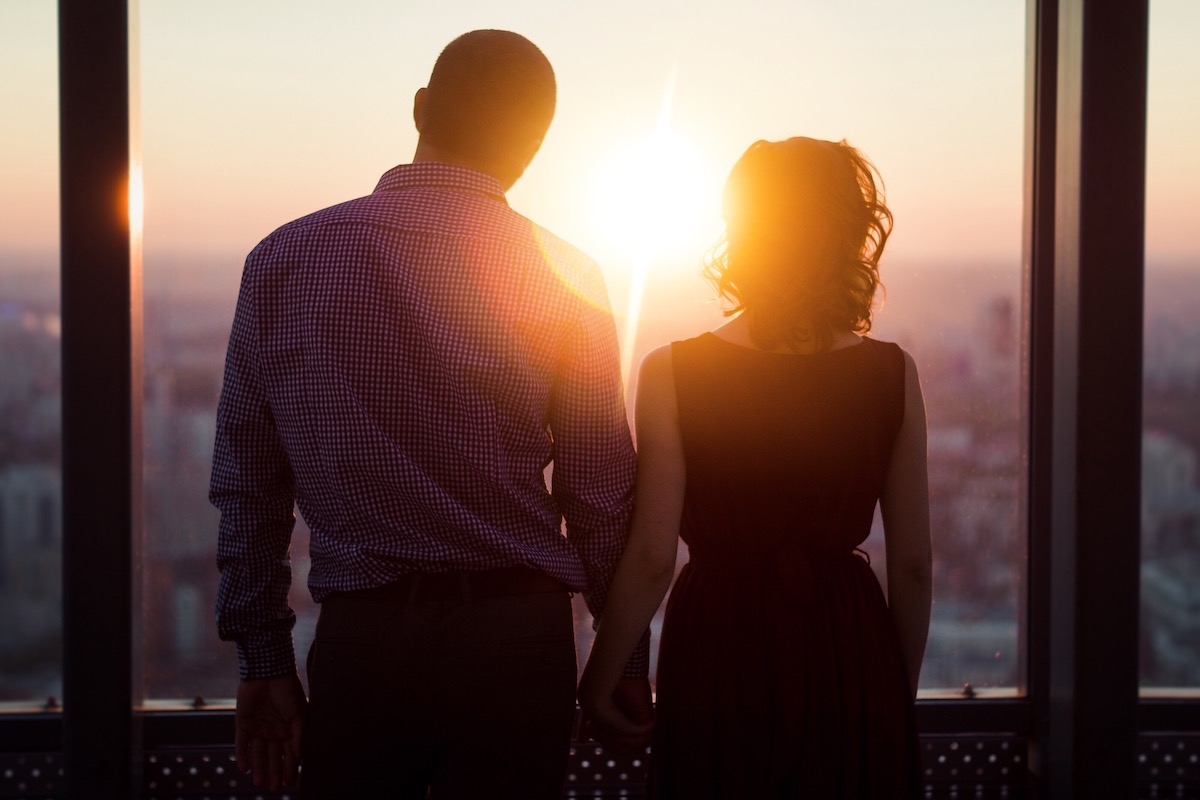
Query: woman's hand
{"x": 622, "y": 719}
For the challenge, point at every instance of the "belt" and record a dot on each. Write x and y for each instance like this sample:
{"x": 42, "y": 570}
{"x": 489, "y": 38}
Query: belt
{"x": 415, "y": 587}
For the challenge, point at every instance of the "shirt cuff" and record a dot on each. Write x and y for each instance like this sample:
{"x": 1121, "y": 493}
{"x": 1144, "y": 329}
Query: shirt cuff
{"x": 638, "y": 665}
{"x": 267, "y": 655}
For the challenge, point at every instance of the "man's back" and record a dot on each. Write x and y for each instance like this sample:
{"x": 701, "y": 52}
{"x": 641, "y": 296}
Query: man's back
{"x": 421, "y": 352}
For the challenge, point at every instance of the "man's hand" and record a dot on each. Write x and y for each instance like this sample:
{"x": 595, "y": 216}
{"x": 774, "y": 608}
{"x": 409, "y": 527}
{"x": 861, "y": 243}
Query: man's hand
{"x": 624, "y": 722}
{"x": 270, "y": 720}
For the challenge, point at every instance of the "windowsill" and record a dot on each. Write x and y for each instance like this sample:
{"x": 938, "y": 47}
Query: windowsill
{"x": 1170, "y": 693}
{"x": 977, "y": 693}
{"x": 227, "y": 703}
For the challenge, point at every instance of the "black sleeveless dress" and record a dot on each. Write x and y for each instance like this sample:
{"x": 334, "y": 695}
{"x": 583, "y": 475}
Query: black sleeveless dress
{"x": 780, "y": 673}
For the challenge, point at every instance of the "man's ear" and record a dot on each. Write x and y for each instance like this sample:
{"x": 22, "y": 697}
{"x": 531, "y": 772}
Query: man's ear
{"x": 419, "y": 108}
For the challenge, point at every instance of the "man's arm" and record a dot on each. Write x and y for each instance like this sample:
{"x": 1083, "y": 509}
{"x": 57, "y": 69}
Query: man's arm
{"x": 253, "y": 486}
{"x": 594, "y": 462}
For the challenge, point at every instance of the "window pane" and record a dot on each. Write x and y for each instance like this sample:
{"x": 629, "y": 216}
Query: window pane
{"x": 298, "y": 107}
{"x": 1170, "y": 630}
{"x": 30, "y": 425}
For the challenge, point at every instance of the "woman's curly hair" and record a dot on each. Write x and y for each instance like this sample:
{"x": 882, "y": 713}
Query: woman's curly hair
{"x": 805, "y": 227}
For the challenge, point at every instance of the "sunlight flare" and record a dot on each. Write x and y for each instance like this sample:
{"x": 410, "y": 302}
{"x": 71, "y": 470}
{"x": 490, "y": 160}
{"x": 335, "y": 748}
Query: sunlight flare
{"x": 633, "y": 314}
{"x": 650, "y": 196}
{"x": 653, "y": 201}
{"x": 135, "y": 201}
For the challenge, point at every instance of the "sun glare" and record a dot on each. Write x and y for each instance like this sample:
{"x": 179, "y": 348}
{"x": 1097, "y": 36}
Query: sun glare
{"x": 651, "y": 197}
{"x": 653, "y": 204}
{"x": 136, "y": 200}
{"x": 654, "y": 201}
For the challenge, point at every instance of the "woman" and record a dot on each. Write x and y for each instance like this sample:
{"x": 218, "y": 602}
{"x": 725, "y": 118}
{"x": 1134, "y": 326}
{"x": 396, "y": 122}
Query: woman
{"x": 766, "y": 444}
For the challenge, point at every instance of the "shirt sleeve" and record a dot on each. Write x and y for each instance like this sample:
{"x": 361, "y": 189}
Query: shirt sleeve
{"x": 254, "y": 489}
{"x": 594, "y": 461}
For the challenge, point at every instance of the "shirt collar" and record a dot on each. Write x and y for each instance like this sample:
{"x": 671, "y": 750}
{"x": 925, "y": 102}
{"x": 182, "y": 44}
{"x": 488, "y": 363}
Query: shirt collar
{"x": 442, "y": 176}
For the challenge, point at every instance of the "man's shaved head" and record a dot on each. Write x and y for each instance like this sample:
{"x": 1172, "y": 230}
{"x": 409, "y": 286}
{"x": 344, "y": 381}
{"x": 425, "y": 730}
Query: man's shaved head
{"x": 490, "y": 100}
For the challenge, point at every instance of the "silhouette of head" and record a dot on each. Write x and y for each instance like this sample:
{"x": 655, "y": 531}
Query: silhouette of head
{"x": 488, "y": 104}
{"x": 805, "y": 227}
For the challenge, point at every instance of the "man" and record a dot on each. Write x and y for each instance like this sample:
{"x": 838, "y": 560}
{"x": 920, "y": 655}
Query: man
{"x": 405, "y": 366}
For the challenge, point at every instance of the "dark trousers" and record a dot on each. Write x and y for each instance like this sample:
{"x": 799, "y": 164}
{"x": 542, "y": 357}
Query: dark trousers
{"x": 440, "y": 693}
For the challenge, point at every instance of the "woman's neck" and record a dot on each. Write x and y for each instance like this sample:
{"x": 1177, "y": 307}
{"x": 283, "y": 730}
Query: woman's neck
{"x": 737, "y": 331}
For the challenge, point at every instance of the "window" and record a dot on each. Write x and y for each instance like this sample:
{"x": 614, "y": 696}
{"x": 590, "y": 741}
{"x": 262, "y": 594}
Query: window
{"x": 1170, "y": 623}
{"x": 246, "y": 127}
{"x": 30, "y": 480}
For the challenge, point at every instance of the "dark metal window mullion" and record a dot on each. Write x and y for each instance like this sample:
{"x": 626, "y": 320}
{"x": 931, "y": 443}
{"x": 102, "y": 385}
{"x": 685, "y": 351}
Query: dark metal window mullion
{"x": 101, "y": 400}
{"x": 1091, "y": 701}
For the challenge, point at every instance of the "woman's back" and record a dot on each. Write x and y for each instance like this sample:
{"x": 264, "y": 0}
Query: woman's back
{"x": 779, "y": 672}
{"x": 782, "y": 450}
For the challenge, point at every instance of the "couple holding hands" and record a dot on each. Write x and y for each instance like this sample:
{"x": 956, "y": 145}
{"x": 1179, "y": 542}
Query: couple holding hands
{"x": 403, "y": 367}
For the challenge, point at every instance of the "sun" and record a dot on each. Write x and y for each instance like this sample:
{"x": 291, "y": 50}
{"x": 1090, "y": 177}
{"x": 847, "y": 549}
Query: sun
{"x": 653, "y": 201}
{"x": 653, "y": 198}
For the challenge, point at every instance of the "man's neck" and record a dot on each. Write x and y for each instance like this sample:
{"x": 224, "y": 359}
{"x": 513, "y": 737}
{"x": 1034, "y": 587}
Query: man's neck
{"x": 429, "y": 152}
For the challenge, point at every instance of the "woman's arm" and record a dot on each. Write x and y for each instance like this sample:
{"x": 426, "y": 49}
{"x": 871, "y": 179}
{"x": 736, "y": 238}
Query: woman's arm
{"x": 648, "y": 562}
{"x": 905, "y": 507}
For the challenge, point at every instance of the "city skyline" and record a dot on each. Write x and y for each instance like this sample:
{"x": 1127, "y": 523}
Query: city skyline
{"x": 970, "y": 370}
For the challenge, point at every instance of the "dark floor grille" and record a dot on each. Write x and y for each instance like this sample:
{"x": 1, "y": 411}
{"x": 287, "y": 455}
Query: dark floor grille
{"x": 981, "y": 767}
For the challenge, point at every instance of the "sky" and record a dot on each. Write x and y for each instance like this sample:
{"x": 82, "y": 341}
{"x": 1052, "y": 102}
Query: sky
{"x": 253, "y": 113}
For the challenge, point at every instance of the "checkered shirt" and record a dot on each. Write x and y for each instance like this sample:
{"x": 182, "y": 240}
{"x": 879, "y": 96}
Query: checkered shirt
{"x": 403, "y": 367}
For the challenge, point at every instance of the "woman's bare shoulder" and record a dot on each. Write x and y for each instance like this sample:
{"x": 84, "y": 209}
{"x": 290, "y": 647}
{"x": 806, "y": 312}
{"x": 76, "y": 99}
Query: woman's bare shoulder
{"x": 656, "y": 383}
{"x": 657, "y": 360}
